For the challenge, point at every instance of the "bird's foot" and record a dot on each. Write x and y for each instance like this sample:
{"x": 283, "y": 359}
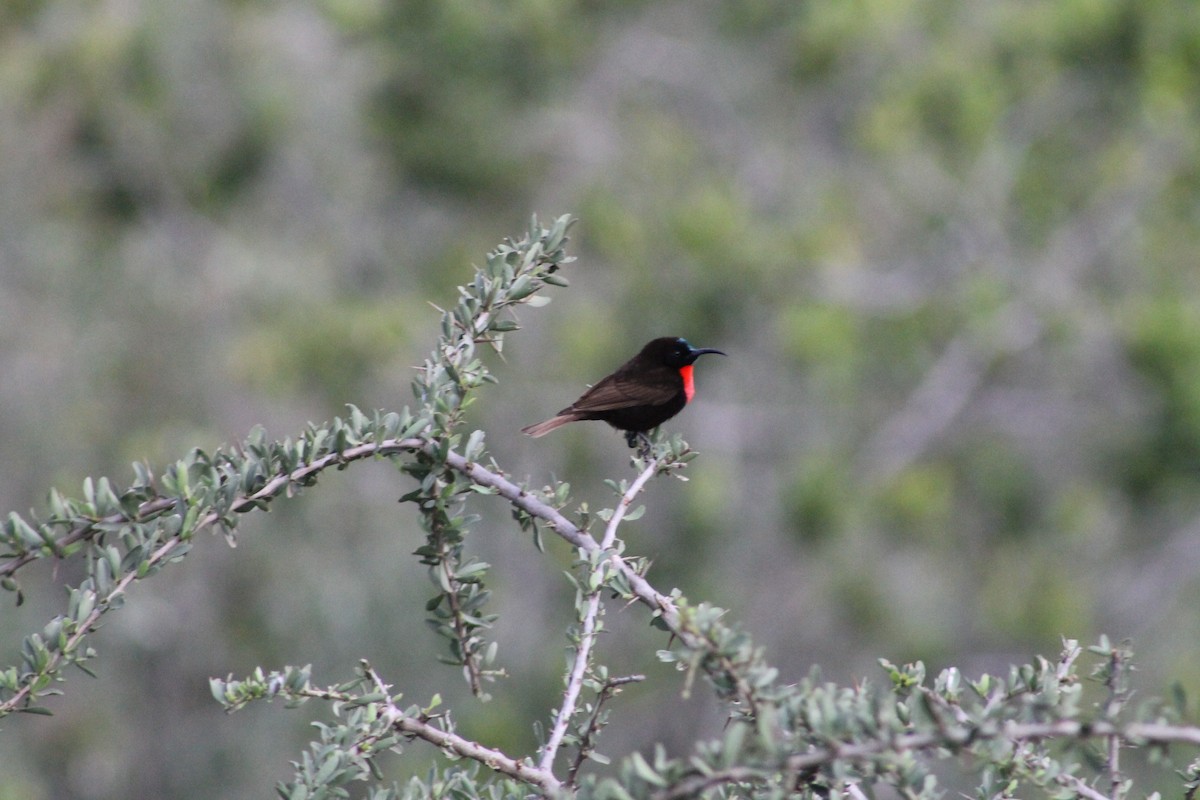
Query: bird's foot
{"x": 641, "y": 441}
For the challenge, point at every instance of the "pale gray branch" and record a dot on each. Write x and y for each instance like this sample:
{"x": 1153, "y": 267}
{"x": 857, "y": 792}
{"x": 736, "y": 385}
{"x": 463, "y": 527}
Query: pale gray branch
{"x": 453, "y": 743}
{"x": 587, "y": 634}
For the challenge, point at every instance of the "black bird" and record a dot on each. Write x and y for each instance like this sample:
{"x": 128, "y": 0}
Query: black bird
{"x": 644, "y": 392}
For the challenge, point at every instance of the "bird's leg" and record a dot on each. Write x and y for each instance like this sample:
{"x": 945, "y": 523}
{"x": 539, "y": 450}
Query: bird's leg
{"x": 641, "y": 441}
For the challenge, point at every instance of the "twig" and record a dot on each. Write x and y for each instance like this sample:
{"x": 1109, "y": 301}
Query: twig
{"x": 593, "y": 725}
{"x": 610, "y": 532}
{"x": 470, "y": 662}
{"x": 1115, "y": 683}
{"x": 1150, "y": 732}
{"x": 587, "y": 635}
{"x": 85, "y": 626}
{"x": 1078, "y": 785}
{"x": 452, "y": 742}
{"x": 1114, "y": 766}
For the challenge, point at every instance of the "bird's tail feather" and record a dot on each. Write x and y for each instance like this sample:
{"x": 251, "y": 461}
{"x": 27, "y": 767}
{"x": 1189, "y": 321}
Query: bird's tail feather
{"x": 542, "y": 428}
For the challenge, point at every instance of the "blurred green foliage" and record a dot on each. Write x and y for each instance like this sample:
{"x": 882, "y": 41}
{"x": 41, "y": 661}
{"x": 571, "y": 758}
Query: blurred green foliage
{"x": 950, "y": 248}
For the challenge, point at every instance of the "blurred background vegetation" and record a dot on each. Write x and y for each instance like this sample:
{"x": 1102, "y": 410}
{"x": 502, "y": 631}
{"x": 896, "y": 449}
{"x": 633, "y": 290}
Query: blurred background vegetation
{"x": 950, "y": 248}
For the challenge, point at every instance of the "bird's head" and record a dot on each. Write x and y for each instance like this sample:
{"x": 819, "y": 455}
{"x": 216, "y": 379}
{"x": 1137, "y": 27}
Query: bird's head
{"x": 675, "y": 352}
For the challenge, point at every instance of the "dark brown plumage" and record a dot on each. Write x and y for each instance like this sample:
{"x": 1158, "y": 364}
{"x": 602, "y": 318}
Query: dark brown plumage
{"x": 642, "y": 394}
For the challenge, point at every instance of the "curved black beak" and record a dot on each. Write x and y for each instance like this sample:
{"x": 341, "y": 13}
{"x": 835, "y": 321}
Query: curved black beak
{"x": 696, "y": 352}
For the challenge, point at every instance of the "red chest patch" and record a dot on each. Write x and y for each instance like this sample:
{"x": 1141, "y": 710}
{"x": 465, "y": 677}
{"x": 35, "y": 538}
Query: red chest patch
{"x": 689, "y": 386}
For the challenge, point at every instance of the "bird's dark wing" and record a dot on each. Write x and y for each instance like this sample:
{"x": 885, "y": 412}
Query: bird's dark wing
{"x": 618, "y": 391}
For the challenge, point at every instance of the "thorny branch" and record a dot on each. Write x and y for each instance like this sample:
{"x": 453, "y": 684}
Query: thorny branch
{"x": 400, "y": 721}
{"x": 663, "y": 606}
{"x": 587, "y": 634}
{"x": 610, "y": 688}
{"x": 470, "y": 665}
{"x": 1150, "y": 733}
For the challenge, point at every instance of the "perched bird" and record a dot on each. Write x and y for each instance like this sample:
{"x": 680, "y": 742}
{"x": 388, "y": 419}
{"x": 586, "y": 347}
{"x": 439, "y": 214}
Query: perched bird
{"x": 644, "y": 392}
